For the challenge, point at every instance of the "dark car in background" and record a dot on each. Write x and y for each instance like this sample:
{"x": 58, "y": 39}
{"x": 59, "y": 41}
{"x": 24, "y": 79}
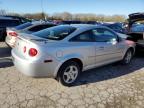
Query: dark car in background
{"x": 29, "y": 27}
{"x": 91, "y": 22}
{"x": 78, "y": 22}
{"x": 70, "y": 22}
{"x": 9, "y": 21}
{"x": 136, "y": 32}
{"x": 21, "y": 19}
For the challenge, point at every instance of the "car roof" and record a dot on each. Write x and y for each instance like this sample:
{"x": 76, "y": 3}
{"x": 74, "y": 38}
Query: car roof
{"x": 81, "y": 26}
{"x": 6, "y": 18}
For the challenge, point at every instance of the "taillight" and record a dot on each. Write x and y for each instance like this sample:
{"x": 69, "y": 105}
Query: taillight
{"x": 33, "y": 52}
{"x": 24, "y": 49}
{"x": 14, "y": 34}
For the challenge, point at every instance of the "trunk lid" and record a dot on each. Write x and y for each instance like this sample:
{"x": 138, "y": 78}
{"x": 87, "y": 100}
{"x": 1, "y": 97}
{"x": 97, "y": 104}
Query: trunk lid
{"x": 136, "y": 17}
{"x": 27, "y": 41}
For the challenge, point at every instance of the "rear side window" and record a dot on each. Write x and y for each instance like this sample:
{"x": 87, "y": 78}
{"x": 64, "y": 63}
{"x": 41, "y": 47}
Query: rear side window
{"x": 36, "y": 28}
{"x": 23, "y": 26}
{"x": 55, "y": 33}
{"x": 39, "y": 27}
{"x": 48, "y": 25}
{"x": 9, "y": 23}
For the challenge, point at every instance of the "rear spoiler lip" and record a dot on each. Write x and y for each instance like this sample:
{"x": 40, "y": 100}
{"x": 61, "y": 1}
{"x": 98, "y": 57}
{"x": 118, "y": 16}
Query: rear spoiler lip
{"x": 31, "y": 39}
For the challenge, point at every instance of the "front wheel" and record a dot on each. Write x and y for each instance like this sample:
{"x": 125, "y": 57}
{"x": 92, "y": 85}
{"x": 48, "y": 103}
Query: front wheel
{"x": 128, "y": 57}
{"x": 68, "y": 73}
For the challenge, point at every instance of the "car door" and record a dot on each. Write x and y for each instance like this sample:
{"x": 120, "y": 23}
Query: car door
{"x": 107, "y": 46}
{"x": 86, "y": 43}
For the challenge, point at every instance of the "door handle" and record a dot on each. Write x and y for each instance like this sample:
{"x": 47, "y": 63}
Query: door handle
{"x": 101, "y": 48}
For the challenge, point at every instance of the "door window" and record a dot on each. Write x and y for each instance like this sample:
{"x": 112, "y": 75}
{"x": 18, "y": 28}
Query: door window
{"x": 104, "y": 35}
{"x": 87, "y": 36}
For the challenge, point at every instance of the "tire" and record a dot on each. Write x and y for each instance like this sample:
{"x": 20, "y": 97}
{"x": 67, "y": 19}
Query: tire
{"x": 128, "y": 57}
{"x": 3, "y": 36}
{"x": 69, "y": 73}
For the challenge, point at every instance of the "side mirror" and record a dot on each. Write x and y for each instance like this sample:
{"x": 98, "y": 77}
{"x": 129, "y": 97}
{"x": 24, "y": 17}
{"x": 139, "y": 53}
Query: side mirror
{"x": 113, "y": 41}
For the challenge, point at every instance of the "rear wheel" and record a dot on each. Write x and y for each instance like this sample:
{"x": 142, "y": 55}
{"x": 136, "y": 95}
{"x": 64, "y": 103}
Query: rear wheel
{"x": 3, "y": 36}
{"x": 128, "y": 57}
{"x": 68, "y": 73}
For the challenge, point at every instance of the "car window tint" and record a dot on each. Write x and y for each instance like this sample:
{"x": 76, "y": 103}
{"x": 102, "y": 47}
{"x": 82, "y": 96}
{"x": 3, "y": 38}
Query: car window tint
{"x": 116, "y": 28}
{"x": 47, "y": 26}
{"x": 36, "y": 28}
{"x": 84, "y": 37}
{"x": 55, "y": 33}
{"x": 40, "y": 27}
{"x": 104, "y": 35}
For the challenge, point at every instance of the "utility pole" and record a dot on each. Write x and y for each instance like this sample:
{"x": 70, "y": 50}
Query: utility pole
{"x": 43, "y": 14}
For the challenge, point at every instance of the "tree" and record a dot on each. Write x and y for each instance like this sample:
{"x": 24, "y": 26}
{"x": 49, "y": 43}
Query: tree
{"x": 36, "y": 16}
{"x": 66, "y": 16}
{"x": 69, "y": 16}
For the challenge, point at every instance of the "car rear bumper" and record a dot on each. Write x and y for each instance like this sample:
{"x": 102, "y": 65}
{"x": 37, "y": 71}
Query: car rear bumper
{"x": 34, "y": 69}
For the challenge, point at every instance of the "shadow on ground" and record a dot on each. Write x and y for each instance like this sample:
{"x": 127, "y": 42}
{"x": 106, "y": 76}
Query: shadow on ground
{"x": 110, "y": 71}
{"x": 5, "y": 60}
{"x": 5, "y": 52}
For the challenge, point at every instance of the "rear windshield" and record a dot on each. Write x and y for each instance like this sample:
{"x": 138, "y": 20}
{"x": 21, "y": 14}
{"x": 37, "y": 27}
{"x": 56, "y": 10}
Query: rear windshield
{"x": 113, "y": 26}
{"x": 23, "y": 26}
{"x": 55, "y": 33}
{"x": 9, "y": 23}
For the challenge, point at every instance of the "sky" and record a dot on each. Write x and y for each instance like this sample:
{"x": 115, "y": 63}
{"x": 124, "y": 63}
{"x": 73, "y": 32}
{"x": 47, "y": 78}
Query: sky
{"x": 106, "y": 7}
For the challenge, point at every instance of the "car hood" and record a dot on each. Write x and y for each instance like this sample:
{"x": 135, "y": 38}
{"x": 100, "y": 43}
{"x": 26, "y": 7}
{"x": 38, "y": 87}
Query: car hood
{"x": 136, "y": 17}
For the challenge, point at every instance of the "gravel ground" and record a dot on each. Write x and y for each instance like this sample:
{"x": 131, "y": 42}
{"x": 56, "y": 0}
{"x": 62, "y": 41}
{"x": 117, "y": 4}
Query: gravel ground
{"x": 111, "y": 86}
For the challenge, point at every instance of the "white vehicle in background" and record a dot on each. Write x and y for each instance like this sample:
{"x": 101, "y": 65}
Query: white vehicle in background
{"x": 29, "y": 27}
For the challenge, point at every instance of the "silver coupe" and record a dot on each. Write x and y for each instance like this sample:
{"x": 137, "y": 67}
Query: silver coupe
{"x": 64, "y": 51}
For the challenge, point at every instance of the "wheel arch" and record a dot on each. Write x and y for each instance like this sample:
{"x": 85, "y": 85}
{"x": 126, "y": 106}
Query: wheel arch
{"x": 77, "y": 60}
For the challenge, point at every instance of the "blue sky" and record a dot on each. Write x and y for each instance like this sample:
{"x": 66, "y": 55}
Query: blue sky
{"x": 107, "y": 7}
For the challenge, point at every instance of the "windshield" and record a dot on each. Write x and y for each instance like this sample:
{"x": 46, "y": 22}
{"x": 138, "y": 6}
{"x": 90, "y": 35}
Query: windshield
{"x": 55, "y": 33}
{"x": 23, "y": 26}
